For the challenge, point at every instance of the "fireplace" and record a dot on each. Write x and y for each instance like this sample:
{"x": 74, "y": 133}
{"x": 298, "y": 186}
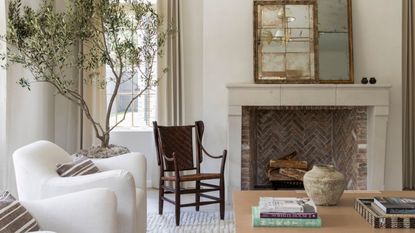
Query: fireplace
{"x": 369, "y": 100}
{"x": 317, "y": 134}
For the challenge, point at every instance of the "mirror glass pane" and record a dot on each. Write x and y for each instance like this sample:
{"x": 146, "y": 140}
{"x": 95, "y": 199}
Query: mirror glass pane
{"x": 334, "y": 56}
{"x": 332, "y": 15}
{"x": 286, "y": 42}
{"x": 333, "y": 40}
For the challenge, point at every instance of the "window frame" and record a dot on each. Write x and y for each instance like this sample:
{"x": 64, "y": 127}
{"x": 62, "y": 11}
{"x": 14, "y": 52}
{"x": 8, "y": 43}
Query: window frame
{"x": 147, "y": 95}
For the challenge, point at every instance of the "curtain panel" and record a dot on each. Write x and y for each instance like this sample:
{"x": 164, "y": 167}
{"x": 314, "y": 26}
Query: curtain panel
{"x": 95, "y": 97}
{"x": 170, "y": 89}
{"x": 408, "y": 84}
{"x": 4, "y": 160}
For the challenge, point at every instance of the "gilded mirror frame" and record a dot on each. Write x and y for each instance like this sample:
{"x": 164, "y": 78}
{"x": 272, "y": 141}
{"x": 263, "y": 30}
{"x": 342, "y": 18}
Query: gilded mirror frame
{"x": 316, "y": 79}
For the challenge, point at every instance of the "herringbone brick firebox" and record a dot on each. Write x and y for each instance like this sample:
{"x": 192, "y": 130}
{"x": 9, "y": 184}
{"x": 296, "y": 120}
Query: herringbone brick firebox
{"x": 319, "y": 135}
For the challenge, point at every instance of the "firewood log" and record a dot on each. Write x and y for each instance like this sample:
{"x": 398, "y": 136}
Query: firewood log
{"x": 293, "y": 173}
{"x": 288, "y": 164}
{"x": 276, "y": 176}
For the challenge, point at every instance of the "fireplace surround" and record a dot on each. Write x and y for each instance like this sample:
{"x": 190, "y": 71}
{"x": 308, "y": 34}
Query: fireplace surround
{"x": 374, "y": 98}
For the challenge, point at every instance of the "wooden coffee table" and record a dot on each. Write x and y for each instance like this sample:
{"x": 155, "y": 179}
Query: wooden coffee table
{"x": 337, "y": 219}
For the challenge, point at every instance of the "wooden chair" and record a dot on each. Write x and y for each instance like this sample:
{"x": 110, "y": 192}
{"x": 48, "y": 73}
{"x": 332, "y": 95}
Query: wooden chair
{"x": 174, "y": 146}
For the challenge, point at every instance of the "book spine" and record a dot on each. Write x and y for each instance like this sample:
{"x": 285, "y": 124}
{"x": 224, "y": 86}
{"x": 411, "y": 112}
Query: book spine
{"x": 283, "y": 209}
{"x": 288, "y": 215}
{"x": 286, "y": 222}
{"x": 382, "y": 207}
{"x": 399, "y": 211}
{"x": 383, "y": 214}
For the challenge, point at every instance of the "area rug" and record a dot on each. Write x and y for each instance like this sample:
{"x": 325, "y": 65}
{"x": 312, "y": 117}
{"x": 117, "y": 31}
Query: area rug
{"x": 190, "y": 222}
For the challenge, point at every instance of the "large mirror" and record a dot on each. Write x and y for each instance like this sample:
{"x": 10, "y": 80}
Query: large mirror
{"x": 303, "y": 41}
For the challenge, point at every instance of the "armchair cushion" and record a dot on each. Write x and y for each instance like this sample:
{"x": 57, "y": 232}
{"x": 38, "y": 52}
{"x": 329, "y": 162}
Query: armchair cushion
{"x": 88, "y": 211}
{"x": 79, "y": 167}
{"x": 14, "y": 217}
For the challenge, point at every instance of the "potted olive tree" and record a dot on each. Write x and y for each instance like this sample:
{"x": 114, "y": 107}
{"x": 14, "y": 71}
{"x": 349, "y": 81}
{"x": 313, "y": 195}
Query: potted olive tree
{"x": 121, "y": 35}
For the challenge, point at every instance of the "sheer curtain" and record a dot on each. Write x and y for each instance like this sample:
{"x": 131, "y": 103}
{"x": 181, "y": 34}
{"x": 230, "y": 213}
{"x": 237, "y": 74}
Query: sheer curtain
{"x": 4, "y": 161}
{"x": 95, "y": 96}
{"x": 170, "y": 89}
{"x": 408, "y": 83}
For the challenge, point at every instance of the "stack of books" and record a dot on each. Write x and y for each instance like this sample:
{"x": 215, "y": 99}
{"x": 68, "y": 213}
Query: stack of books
{"x": 394, "y": 205}
{"x": 285, "y": 212}
{"x": 387, "y": 212}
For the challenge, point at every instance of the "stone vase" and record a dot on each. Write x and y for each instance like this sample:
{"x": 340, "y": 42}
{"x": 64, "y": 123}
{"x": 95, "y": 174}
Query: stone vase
{"x": 324, "y": 185}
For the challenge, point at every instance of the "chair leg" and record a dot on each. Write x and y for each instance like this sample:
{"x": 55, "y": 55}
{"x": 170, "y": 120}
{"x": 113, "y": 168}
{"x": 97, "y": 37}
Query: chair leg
{"x": 161, "y": 195}
{"x": 197, "y": 195}
{"x": 222, "y": 198}
{"x": 177, "y": 203}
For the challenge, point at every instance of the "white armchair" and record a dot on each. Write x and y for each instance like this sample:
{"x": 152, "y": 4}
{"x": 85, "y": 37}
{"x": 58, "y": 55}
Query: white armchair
{"x": 36, "y": 177}
{"x": 90, "y": 211}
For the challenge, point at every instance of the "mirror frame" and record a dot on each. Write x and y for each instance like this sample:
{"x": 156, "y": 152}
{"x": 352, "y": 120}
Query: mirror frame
{"x": 317, "y": 61}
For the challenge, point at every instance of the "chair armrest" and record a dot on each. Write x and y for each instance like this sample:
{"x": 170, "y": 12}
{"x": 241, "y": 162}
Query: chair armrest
{"x": 213, "y": 156}
{"x": 135, "y": 163}
{"x": 90, "y": 211}
{"x": 119, "y": 181}
{"x": 222, "y": 156}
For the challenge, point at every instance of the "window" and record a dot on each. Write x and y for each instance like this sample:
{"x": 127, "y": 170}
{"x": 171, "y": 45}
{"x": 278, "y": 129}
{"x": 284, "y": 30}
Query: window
{"x": 144, "y": 109}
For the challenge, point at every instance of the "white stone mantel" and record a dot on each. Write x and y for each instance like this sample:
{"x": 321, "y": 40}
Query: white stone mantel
{"x": 375, "y": 97}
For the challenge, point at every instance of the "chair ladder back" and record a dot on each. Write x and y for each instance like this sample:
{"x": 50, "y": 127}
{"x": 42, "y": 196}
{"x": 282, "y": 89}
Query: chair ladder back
{"x": 177, "y": 139}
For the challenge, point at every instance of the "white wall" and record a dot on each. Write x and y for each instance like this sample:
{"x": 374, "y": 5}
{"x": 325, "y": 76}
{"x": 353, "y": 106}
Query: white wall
{"x": 378, "y": 52}
{"x": 192, "y": 50}
{"x": 227, "y": 58}
{"x": 30, "y": 114}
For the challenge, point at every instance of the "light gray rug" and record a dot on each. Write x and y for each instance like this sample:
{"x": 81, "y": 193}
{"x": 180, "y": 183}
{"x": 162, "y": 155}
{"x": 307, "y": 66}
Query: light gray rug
{"x": 190, "y": 222}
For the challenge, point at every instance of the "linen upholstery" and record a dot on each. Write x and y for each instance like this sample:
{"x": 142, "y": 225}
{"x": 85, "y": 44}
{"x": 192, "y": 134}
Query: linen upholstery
{"x": 35, "y": 166}
{"x": 89, "y": 211}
